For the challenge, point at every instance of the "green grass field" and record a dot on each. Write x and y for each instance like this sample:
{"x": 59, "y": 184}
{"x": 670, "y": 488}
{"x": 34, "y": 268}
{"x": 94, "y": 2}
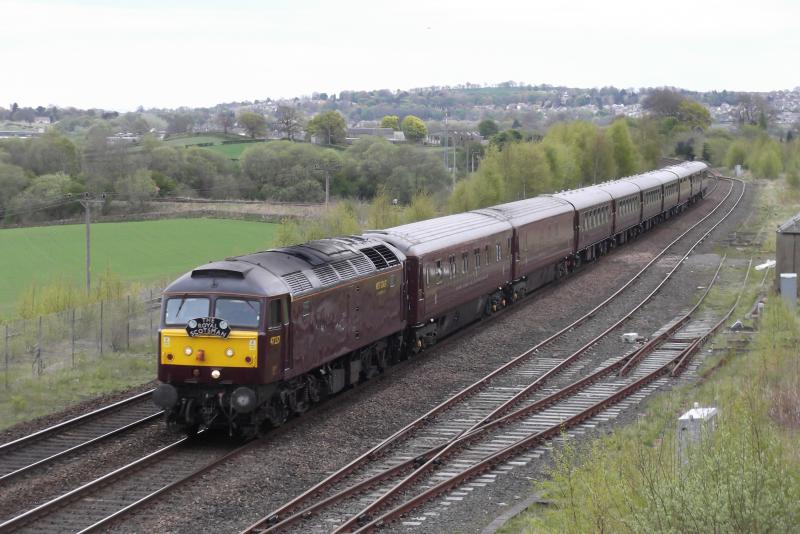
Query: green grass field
{"x": 136, "y": 251}
{"x": 232, "y": 151}
{"x": 194, "y": 140}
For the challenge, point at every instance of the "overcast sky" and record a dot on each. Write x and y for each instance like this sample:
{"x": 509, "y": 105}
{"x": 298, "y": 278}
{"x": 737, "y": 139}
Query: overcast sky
{"x": 156, "y": 53}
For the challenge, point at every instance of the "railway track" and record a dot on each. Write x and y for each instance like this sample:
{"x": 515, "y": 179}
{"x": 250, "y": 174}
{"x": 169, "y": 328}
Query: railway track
{"x": 426, "y": 439}
{"x": 45, "y": 446}
{"x": 477, "y": 448}
{"x": 95, "y": 505}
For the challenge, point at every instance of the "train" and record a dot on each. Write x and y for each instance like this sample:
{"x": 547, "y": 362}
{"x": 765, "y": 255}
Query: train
{"x": 249, "y": 341}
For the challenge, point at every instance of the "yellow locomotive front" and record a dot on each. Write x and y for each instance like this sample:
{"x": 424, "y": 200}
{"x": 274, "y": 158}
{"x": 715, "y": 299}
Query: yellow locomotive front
{"x": 214, "y": 350}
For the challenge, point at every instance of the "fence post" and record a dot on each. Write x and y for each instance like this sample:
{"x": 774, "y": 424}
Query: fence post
{"x": 72, "y": 332}
{"x": 39, "y": 363}
{"x": 101, "y": 328}
{"x": 150, "y": 314}
{"x": 6, "y": 373}
{"x": 128, "y": 327}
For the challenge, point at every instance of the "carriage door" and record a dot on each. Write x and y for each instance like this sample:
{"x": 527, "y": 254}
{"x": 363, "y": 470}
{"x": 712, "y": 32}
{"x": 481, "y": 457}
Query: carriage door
{"x": 277, "y": 332}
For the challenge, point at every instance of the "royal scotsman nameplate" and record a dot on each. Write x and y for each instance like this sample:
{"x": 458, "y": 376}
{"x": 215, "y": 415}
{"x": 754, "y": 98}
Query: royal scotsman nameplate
{"x": 208, "y": 326}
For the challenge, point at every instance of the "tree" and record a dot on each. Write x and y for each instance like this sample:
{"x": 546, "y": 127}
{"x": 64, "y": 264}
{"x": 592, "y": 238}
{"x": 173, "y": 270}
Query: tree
{"x": 289, "y": 121}
{"x": 48, "y": 197}
{"x": 52, "y": 153}
{"x": 329, "y": 127}
{"x": 12, "y": 182}
{"x": 178, "y": 123}
{"x": 487, "y": 128}
{"x": 226, "y": 119}
{"x": 505, "y": 137}
{"x": 391, "y": 121}
{"x": 254, "y": 123}
{"x": 414, "y": 129}
{"x": 754, "y": 109}
{"x": 626, "y": 156}
{"x": 137, "y": 189}
{"x": 694, "y": 114}
{"x": 663, "y": 102}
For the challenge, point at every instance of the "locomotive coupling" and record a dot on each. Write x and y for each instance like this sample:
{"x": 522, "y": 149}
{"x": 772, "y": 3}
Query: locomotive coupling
{"x": 165, "y": 396}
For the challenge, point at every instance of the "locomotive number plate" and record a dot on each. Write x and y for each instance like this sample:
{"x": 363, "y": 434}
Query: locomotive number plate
{"x": 208, "y": 326}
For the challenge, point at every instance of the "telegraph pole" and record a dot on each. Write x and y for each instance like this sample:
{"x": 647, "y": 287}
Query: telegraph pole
{"x": 444, "y": 142}
{"x": 86, "y": 202}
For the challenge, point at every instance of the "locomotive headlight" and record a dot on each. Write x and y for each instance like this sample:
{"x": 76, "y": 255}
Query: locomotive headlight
{"x": 215, "y": 374}
{"x": 187, "y": 351}
{"x": 229, "y": 352}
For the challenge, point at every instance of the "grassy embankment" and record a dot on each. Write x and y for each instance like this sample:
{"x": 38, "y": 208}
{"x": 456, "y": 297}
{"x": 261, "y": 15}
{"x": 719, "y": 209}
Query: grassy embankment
{"x": 746, "y": 475}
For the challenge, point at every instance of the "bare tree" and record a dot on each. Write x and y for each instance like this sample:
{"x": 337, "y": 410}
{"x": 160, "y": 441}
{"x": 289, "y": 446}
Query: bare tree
{"x": 288, "y": 121}
{"x": 754, "y": 109}
{"x": 226, "y": 118}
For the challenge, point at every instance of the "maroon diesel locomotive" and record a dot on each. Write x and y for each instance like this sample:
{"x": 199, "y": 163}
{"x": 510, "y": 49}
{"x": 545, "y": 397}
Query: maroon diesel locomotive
{"x": 248, "y": 341}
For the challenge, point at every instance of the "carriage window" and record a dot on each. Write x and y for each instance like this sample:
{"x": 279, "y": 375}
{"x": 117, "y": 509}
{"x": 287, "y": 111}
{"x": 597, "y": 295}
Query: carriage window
{"x": 180, "y": 310}
{"x": 498, "y": 252}
{"x": 439, "y": 271}
{"x": 453, "y": 267}
{"x": 464, "y": 262}
{"x": 240, "y": 312}
{"x": 306, "y": 308}
{"x": 486, "y": 250}
{"x": 477, "y": 259}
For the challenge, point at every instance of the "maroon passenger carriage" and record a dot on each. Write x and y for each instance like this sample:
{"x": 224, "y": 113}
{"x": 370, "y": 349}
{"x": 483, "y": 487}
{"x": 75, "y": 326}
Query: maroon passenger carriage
{"x": 457, "y": 268}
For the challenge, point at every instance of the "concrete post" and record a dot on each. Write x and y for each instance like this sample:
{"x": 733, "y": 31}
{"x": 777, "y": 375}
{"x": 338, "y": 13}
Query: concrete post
{"x": 692, "y": 426}
{"x": 789, "y": 289}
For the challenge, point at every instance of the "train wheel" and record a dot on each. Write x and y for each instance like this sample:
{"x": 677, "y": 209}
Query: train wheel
{"x": 315, "y": 393}
{"x": 277, "y": 412}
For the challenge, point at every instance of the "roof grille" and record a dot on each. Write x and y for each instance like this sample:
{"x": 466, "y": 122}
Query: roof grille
{"x": 388, "y": 255}
{"x": 298, "y": 282}
{"x": 345, "y": 270}
{"x": 375, "y": 257}
{"x": 362, "y": 265}
{"x": 326, "y": 275}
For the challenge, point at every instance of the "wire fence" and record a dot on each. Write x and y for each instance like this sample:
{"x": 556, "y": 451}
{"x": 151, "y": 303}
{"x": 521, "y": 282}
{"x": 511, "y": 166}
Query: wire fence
{"x": 107, "y": 329}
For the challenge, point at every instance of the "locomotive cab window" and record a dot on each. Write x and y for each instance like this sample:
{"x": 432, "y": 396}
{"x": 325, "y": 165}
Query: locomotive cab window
{"x": 180, "y": 310}
{"x": 275, "y": 318}
{"x": 239, "y": 312}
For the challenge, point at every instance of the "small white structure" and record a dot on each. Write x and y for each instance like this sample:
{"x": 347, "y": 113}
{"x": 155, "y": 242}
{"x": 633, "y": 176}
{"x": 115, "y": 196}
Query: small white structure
{"x": 789, "y": 289}
{"x": 693, "y": 426}
{"x": 632, "y": 337}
